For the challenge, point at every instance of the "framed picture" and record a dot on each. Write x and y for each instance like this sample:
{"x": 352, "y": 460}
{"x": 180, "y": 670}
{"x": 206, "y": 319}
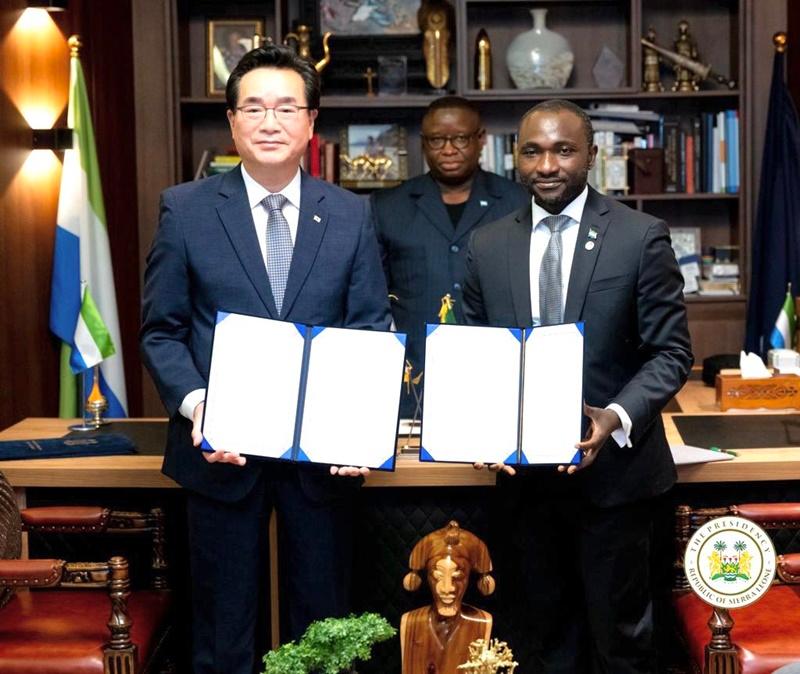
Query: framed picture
{"x": 369, "y": 17}
{"x": 372, "y": 155}
{"x": 228, "y": 41}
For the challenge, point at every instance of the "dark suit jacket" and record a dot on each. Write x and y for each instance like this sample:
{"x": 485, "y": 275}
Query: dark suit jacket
{"x": 424, "y": 256}
{"x": 206, "y": 257}
{"x": 628, "y": 291}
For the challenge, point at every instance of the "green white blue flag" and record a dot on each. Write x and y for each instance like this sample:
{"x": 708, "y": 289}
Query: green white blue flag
{"x": 83, "y": 305}
{"x": 782, "y": 336}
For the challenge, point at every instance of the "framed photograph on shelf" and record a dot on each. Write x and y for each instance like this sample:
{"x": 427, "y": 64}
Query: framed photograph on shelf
{"x": 372, "y": 155}
{"x": 369, "y": 17}
{"x": 228, "y": 41}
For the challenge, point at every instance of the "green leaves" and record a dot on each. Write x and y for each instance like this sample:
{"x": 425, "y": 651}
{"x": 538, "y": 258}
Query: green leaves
{"x": 330, "y": 646}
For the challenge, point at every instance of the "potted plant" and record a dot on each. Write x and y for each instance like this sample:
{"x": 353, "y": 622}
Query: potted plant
{"x": 330, "y": 646}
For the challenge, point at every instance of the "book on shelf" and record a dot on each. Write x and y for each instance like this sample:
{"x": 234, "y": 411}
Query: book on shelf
{"x": 211, "y": 164}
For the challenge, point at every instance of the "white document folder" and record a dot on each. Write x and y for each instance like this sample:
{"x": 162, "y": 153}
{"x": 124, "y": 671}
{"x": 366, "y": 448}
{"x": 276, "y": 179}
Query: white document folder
{"x": 503, "y": 394}
{"x": 301, "y": 393}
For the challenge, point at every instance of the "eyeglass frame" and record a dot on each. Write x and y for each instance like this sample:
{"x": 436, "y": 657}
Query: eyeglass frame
{"x": 274, "y": 108}
{"x": 452, "y": 139}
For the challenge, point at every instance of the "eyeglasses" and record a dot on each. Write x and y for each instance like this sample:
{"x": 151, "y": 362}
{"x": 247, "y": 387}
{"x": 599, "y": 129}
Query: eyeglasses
{"x": 460, "y": 141}
{"x": 285, "y": 112}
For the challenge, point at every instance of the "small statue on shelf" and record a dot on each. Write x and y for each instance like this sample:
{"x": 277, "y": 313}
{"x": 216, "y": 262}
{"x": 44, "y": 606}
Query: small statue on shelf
{"x": 493, "y": 657}
{"x": 685, "y": 79}
{"x": 437, "y": 638}
{"x": 435, "y": 18}
{"x": 651, "y": 78}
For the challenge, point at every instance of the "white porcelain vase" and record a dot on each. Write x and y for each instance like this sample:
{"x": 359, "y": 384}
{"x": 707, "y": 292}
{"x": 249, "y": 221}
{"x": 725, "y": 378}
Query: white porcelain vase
{"x": 539, "y": 58}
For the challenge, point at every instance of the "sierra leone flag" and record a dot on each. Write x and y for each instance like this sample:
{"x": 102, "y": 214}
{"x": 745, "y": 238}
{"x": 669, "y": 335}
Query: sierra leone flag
{"x": 83, "y": 305}
{"x": 782, "y": 336}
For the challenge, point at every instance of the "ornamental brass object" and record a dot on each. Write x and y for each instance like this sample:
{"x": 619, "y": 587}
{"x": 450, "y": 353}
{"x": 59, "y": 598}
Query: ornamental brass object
{"x": 435, "y": 19}
{"x": 302, "y": 39}
{"x": 700, "y": 70}
{"x": 483, "y": 61}
{"x": 493, "y": 657}
{"x": 651, "y": 78}
{"x": 685, "y": 79}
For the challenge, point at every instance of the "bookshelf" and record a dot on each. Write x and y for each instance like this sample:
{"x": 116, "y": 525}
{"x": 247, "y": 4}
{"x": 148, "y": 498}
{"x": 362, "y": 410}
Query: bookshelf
{"x": 732, "y": 35}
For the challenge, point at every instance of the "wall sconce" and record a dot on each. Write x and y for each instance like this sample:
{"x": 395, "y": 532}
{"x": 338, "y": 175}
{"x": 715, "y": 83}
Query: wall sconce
{"x": 52, "y": 139}
{"x": 49, "y": 5}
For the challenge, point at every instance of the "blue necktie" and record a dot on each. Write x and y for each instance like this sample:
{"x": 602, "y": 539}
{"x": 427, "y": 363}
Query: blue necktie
{"x": 279, "y": 247}
{"x": 550, "y": 311}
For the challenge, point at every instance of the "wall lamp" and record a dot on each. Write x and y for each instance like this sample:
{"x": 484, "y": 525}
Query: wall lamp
{"x": 49, "y": 5}
{"x": 52, "y": 139}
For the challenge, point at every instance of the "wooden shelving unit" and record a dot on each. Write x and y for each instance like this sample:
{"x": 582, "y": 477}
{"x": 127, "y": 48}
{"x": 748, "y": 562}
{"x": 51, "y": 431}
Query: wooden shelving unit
{"x": 725, "y": 31}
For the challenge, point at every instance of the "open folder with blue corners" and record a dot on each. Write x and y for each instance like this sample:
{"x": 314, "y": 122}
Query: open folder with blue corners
{"x": 505, "y": 395}
{"x": 295, "y": 392}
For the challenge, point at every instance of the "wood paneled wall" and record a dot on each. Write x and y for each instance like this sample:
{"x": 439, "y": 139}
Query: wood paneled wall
{"x": 29, "y": 191}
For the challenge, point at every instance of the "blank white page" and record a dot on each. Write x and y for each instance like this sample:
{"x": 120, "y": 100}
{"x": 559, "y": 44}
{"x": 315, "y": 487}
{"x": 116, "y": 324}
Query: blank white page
{"x": 352, "y": 398}
{"x": 553, "y": 394}
{"x": 253, "y": 386}
{"x": 470, "y": 410}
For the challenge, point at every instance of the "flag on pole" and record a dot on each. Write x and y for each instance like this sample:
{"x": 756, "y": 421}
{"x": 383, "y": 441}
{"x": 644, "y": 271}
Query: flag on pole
{"x": 446, "y": 314}
{"x": 83, "y": 306}
{"x": 782, "y": 336}
{"x": 776, "y": 233}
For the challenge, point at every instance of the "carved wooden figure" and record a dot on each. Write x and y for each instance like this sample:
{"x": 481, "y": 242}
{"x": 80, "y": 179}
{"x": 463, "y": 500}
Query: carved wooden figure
{"x": 435, "y": 639}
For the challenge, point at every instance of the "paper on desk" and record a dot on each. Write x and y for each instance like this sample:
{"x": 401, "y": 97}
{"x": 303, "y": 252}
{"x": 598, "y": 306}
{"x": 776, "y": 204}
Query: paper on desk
{"x": 683, "y": 455}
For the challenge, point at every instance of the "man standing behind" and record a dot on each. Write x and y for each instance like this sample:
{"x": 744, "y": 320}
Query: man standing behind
{"x": 576, "y": 255}
{"x": 424, "y": 224}
{"x": 265, "y": 240}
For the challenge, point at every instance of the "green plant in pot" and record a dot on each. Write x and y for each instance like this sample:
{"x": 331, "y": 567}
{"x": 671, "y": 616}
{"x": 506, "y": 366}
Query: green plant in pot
{"x": 330, "y": 646}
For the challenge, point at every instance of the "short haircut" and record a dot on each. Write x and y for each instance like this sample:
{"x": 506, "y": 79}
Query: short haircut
{"x": 279, "y": 57}
{"x": 451, "y": 103}
{"x": 561, "y": 105}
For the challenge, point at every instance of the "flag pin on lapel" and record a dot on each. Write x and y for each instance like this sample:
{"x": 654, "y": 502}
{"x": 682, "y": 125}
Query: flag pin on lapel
{"x": 317, "y": 218}
{"x": 592, "y": 233}
{"x": 484, "y": 203}
{"x": 589, "y": 245}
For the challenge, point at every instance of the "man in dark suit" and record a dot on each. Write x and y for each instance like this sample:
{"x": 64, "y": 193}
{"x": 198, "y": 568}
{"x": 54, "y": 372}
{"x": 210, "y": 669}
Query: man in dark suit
{"x": 265, "y": 240}
{"x": 424, "y": 224}
{"x": 587, "y": 528}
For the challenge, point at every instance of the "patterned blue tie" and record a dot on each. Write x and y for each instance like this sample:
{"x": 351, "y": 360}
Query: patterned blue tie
{"x": 550, "y": 311}
{"x": 279, "y": 246}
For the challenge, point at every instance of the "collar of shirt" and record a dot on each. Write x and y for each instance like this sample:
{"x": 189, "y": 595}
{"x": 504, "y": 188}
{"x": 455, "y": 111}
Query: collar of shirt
{"x": 539, "y": 238}
{"x": 574, "y": 209}
{"x": 257, "y": 192}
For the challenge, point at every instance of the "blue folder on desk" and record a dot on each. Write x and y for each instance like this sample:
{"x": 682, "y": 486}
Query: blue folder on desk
{"x": 108, "y": 444}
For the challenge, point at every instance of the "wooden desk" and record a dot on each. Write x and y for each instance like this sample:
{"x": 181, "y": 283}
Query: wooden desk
{"x": 140, "y": 471}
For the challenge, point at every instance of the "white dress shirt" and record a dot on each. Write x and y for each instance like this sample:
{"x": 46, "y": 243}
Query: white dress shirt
{"x": 569, "y": 237}
{"x": 256, "y": 193}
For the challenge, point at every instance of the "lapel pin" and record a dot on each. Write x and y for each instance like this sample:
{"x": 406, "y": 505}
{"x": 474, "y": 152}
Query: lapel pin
{"x": 589, "y": 245}
{"x": 317, "y": 218}
{"x": 484, "y": 203}
{"x": 592, "y": 234}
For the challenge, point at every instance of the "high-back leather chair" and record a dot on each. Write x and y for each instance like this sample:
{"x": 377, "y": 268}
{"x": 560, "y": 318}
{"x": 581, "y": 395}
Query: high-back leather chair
{"x": 755, "y": 639}
{"x": 83, "y": 617}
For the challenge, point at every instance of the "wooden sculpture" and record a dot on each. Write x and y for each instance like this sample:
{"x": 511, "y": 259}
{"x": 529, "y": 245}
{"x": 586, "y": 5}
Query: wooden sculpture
{"x": 436, "y": 639}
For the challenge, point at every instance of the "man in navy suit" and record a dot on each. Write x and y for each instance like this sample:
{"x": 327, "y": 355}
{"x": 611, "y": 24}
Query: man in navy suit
{"x": 584, "y": 531}
{"x": 225, "y": 243}
{"x": 424, "y": 224}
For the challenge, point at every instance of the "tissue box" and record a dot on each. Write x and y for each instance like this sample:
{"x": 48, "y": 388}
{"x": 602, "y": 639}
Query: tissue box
{"x": 777, "y": 392}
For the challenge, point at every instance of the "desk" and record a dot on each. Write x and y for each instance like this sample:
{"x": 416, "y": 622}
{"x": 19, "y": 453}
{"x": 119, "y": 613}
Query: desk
{"x": 140, "y": 471}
